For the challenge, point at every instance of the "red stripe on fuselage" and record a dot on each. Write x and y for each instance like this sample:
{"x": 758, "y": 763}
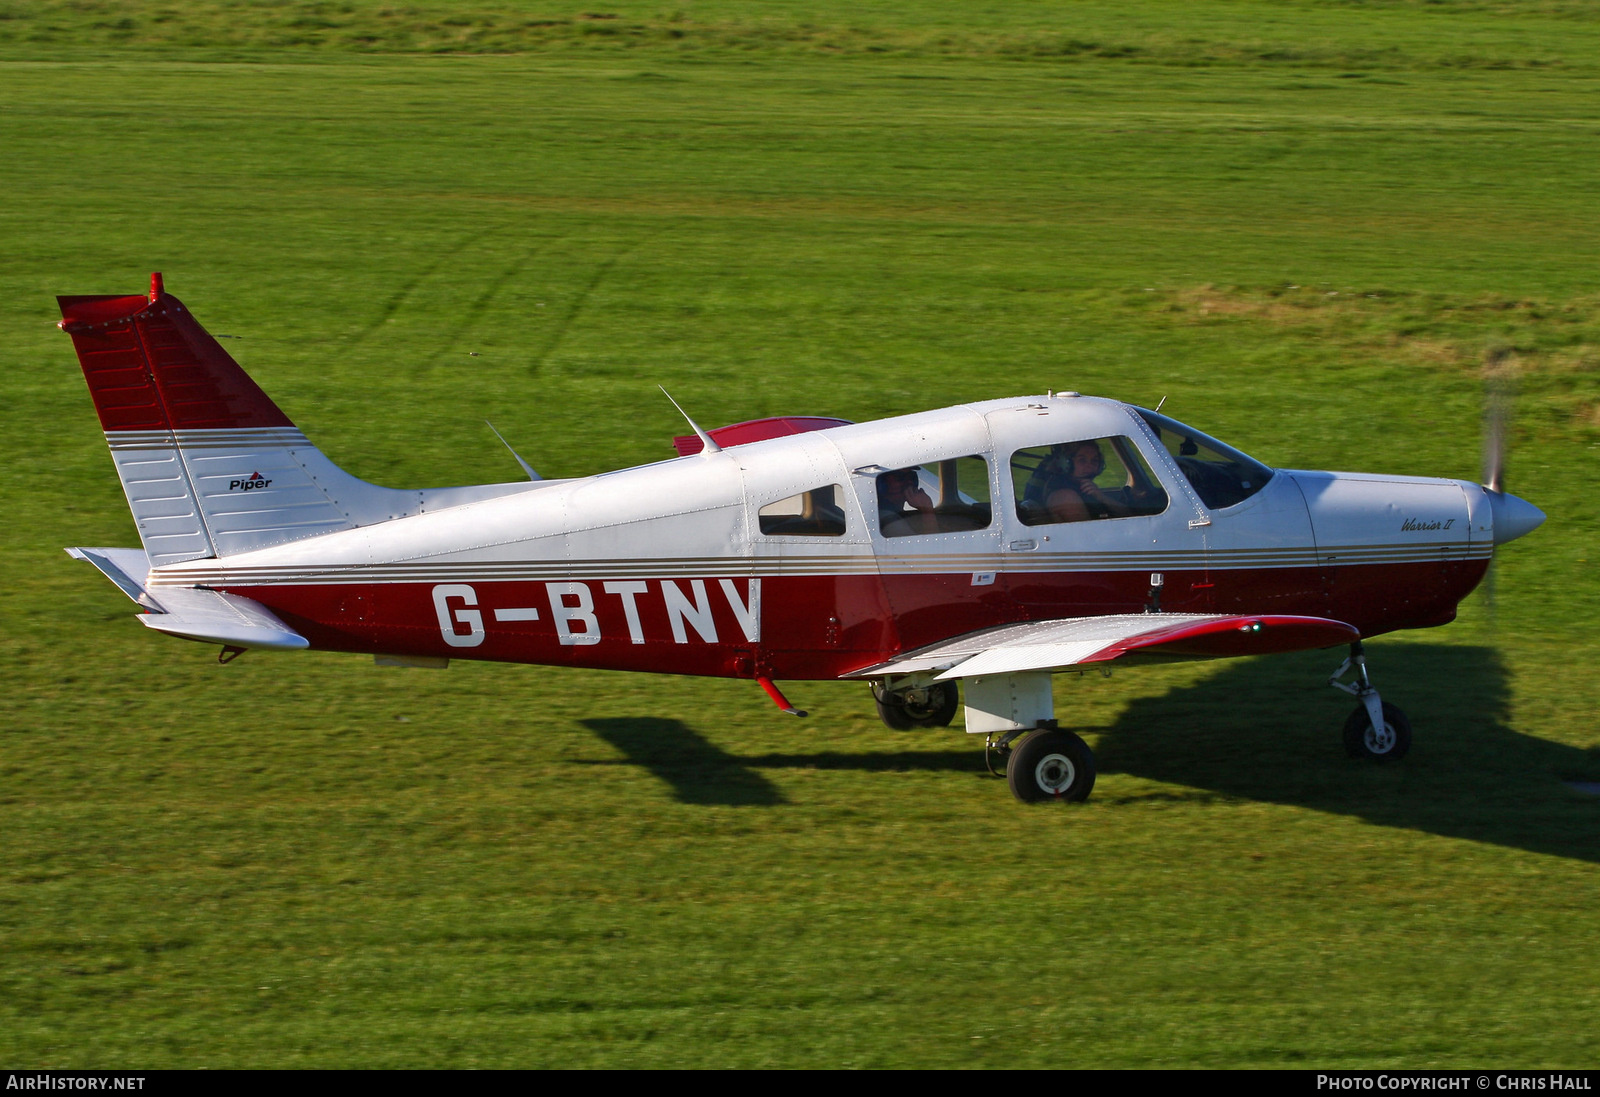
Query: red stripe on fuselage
{"x": 816, "y": 627}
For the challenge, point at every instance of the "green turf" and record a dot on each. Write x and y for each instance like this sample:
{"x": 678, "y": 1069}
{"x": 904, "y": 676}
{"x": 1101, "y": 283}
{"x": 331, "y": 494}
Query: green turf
{"x": 1304, "y": 223}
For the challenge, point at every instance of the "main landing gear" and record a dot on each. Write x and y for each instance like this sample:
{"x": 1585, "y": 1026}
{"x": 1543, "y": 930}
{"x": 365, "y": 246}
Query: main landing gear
{"x": 1014, "y": 713}
{"x": 928, "y": 706}
{"x": 1047, "y": 763}
{"x": 1041, "y": 761}
{"x": 1376, "y": 729}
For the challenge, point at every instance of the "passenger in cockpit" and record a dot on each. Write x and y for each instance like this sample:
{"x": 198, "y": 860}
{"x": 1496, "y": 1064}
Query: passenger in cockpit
{"x": 898, "y": 490}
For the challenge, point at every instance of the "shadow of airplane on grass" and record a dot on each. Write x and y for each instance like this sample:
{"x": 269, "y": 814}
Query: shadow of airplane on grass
{"x": 700, "y": 772}
{"x": 1262, "y": 729}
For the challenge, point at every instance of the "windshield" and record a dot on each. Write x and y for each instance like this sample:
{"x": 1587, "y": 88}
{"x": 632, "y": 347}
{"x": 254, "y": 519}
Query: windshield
{"x": 1220, "y": 475}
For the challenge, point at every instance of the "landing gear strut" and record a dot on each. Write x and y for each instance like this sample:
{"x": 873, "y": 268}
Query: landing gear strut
{"x": 997, "y": 748}
{"x": 1376, "y": 729}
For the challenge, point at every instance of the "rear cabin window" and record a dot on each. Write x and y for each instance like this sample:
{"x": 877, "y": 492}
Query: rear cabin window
{"x": 1220, "y": 475}
{"x": 938, "y": 497}
{"x": 1084, "y": 480}
{"x": 814, "y": 513}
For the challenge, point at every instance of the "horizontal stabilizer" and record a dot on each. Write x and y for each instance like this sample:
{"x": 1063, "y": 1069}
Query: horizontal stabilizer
{"x": 191, "y": 612}
{"x": 219, "y": 618}
{"x": 1059, "y": 644}
{"x": 128, "y": 568}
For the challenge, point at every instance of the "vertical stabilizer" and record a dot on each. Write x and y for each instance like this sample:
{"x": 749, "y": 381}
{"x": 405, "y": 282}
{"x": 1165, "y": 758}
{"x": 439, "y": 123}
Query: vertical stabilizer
{"x": 210, "y": 465}
{"x": 167, "y": 393}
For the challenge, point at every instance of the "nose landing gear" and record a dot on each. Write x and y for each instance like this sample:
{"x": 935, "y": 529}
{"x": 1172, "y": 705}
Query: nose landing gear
{"x": 1376, "y": 729}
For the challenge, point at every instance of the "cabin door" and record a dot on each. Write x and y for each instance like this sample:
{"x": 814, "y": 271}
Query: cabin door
{"x": 1094, "y": 526}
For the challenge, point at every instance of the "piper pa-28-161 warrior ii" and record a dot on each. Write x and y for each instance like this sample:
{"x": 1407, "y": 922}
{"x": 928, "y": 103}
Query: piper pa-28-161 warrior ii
{"x": 990, "y": 543}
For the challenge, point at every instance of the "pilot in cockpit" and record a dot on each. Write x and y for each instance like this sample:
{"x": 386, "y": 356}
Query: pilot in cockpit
{"x": 1064, "y": 485}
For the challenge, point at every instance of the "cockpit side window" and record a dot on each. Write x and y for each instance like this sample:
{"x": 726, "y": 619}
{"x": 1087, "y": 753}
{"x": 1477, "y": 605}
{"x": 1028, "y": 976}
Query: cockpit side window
{"x": 938, "y": 497}
{"x": 1220, "y": 475}
{"x": 814, "y": 513}
{"x": 1082, "y": 480}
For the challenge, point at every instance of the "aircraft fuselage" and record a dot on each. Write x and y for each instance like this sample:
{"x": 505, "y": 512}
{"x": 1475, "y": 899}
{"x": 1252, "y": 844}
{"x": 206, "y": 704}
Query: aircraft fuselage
{"x": 675, "y": 567}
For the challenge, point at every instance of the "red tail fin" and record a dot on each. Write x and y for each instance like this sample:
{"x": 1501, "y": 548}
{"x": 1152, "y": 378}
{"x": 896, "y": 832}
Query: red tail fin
{"x": 210, "y": 466}
{"x": 150, "y": 366}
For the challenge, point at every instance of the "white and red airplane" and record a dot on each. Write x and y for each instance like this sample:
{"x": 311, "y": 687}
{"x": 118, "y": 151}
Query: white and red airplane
{"x": 990, "y": 543}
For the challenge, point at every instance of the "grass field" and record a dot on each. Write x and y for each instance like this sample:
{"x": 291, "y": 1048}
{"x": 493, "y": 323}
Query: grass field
{"x": 1304, "y": 222}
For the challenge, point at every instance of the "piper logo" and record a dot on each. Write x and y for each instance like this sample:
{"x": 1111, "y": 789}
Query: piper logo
{"x": 255, "y": 481}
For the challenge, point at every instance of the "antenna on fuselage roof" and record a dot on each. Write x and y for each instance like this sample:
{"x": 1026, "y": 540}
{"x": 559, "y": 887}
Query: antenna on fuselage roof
{"x": 1158, "y": 405}
{"x": 705, "y": 439}
{"x": 527, "y": 468}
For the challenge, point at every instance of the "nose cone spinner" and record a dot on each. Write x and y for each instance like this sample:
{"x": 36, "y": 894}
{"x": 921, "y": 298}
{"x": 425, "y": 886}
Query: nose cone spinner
{"x": 1513, "y": 517}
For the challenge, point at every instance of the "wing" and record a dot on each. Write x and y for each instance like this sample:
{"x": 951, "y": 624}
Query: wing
{"x": 1056, "y": 645}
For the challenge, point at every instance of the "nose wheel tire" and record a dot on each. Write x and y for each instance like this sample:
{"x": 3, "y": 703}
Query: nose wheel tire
{"x": 1051, "y": 764}
{"x": 1362, "y": 740}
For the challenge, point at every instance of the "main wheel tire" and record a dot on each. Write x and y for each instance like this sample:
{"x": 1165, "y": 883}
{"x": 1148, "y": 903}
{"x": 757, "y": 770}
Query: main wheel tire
{"x": 939, "y": 708}
{"x": 1361, "y": 740}
{"x": 901, "y": 714}
{"x": 1051, "y": 764}
{"x": 891, "y": 711}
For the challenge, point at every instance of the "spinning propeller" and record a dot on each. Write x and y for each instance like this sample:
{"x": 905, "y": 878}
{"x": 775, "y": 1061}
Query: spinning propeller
{"x": 1513, "y": 517}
